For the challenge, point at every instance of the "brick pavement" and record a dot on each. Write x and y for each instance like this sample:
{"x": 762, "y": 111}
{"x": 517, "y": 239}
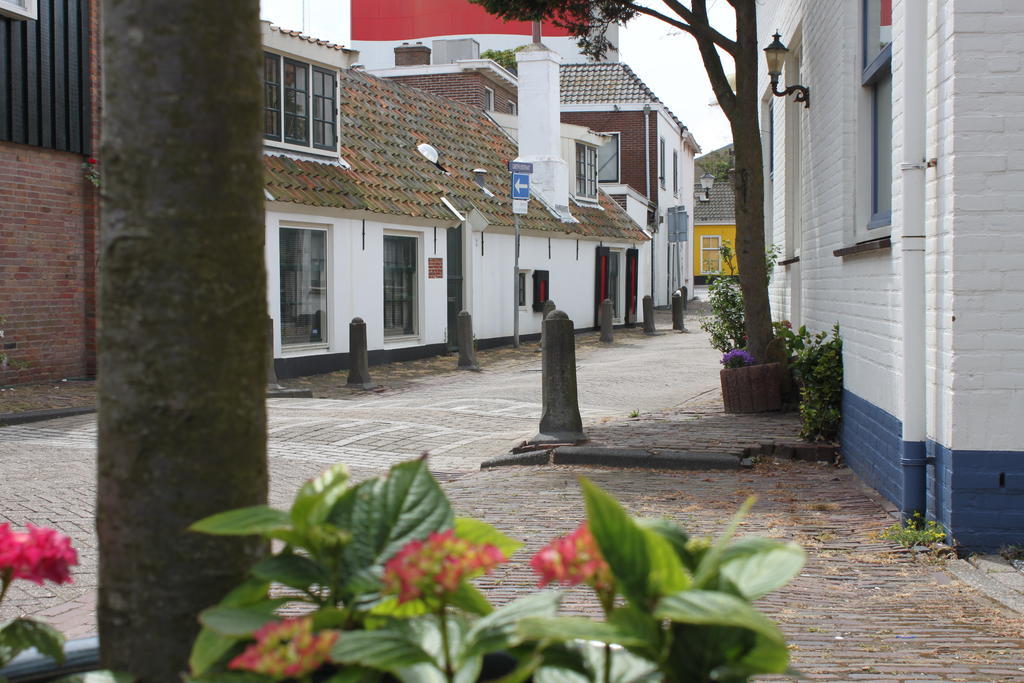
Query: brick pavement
{"x": 861, "y": 610}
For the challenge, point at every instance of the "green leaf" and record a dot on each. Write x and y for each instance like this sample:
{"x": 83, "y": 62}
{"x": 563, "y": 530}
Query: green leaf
{"x": 258, "y": 520}
{"x": 629, "y": 619}
{"x": 210, "y": 646}
{"x": 237, "y": 677}
{"x": 717, "y": 609}
{"x": 498, "y": 630}
{"x": 240, "y": 621}
{"x": 295, "y": 571}
{"x": 711, "y": 561}
{"x": 563, "y": 629}
{"x": 22, "y": 634}
{"x": 758, "y": 566}
{"x": 644, "y": 564}
{"x": 480, "y": 533}
{"x": 469, "y": 599}
{"x": 383, "y": 515}
{"x": 317, "y": 496}
{"x": 385, "y": 649}
{"x": 97, "y": 677}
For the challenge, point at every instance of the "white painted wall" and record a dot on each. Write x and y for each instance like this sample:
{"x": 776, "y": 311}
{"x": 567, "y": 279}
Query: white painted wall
{"x": 673, "y": 267}
{"x": 974, "y": 210}
{"x": 356, "y": 280}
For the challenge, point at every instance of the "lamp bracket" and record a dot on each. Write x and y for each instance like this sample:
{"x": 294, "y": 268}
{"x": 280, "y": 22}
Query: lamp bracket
{"x": 802, "y": 92}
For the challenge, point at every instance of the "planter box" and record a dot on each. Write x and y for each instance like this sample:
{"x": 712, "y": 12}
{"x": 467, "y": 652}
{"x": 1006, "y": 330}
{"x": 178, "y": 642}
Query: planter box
{"x": 753, "y": 389}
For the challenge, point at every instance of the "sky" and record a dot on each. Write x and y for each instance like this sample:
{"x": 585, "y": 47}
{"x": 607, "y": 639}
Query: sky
{"x": 663, "y": 56}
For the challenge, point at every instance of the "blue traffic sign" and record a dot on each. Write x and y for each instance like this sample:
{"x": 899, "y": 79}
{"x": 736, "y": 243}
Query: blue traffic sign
{"x": 520, "y": 186}
{"x": 520, "y": 167}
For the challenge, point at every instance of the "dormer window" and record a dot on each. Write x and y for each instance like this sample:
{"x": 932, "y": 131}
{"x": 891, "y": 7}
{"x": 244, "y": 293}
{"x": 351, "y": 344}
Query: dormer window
{"x": 300, "y": 103}
{"x": 586, "y": 171}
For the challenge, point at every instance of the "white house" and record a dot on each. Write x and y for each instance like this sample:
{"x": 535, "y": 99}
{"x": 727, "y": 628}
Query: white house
{"x": 391, "y": 204}
{"x": 898, "y": 199}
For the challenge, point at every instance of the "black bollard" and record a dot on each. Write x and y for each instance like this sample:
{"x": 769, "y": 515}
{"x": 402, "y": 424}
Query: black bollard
{"x": 677, "y": 312}
{"x": 607, "y": 321}
{"x": 359, "y": 365}
{"x": 272, "y": 383}
{"x": 560, "y": 420}
{"x": 464, "y": 337}
{"x": 649, "y": 327}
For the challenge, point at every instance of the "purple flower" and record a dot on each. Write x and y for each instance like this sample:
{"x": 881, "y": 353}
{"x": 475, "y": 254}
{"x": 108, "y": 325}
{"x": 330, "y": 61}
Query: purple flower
{"x": 737, "y": 358}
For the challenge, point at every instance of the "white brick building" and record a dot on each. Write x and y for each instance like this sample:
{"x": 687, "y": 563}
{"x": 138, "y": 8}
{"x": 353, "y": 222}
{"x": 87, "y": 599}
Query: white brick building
{"x": 898, "y": 200}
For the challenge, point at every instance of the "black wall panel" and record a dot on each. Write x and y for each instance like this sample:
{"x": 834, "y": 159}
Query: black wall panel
{"x": 44, "y": 77}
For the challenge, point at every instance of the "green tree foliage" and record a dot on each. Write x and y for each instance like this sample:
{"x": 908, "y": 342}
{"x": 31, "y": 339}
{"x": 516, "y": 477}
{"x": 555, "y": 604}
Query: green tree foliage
{"x": 506, "y": 58}
{"x": 588, "y": 20}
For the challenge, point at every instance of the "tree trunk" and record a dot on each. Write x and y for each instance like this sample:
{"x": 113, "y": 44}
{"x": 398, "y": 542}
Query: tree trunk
{"x": 182, "y": 338}
{"x": 748, "y": 181}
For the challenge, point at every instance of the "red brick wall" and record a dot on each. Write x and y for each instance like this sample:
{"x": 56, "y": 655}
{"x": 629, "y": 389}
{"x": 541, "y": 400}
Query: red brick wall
{"x": 630, "y": 125}
{"x": 467, "y": 88}
{"x": 48, "y": 230}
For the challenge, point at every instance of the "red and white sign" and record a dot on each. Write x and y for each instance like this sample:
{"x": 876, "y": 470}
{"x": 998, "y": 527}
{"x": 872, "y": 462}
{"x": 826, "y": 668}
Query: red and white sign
{"x": 414, "y": 19}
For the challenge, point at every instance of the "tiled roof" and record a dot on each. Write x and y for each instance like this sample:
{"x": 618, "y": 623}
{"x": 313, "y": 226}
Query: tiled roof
{"x": 382, "y": 122}
{"x": 309, "y": 39}
{"x": 720, "y": 208}
{"x": 606, "y": 83}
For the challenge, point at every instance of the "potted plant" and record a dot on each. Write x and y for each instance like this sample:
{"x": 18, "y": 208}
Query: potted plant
{"x": 749, "y": 387}
{"x": 378, "y": 578}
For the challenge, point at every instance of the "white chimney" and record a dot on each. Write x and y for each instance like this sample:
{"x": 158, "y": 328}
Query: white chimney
{"x": 540, "y": 139}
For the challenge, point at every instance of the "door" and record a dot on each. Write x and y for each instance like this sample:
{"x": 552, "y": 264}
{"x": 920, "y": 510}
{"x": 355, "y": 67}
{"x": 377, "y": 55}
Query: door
{"x": 601, "y": 289}
{"x": 455, "y": 281}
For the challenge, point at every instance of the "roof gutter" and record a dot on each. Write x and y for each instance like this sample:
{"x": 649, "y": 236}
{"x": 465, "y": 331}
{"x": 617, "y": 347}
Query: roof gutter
{"x": 647, "y": 177}
{"x": 444, "y": 200}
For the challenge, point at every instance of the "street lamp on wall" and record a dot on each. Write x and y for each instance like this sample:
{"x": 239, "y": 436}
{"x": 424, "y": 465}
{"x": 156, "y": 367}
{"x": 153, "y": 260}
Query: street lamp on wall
{"x": 707, "y": 181}
{"x": 775, "y": 55}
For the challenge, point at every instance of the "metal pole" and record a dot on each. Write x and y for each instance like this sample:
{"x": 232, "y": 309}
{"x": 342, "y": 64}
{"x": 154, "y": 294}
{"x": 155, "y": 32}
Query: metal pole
{"x": 515, "y": 290}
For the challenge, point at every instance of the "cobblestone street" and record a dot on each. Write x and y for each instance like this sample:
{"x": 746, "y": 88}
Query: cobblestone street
{"x": 862, "y": 609}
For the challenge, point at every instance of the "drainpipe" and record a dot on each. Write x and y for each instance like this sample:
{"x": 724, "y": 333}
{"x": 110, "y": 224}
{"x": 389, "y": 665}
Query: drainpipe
{"x": 912, "y": 183}
{"x": 647, "y": 177}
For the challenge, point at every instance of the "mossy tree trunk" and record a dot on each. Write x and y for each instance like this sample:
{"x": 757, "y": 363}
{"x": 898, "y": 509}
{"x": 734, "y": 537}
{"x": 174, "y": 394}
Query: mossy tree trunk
{"x": 182, "y": 331}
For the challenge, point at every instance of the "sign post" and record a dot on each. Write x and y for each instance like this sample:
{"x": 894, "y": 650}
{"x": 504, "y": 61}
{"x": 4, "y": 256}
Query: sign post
{"x": 520, "y": 193}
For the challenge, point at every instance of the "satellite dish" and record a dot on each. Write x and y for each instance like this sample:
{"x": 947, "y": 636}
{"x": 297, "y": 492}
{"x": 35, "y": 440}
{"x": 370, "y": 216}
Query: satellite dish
{"x": 428, "y": 151}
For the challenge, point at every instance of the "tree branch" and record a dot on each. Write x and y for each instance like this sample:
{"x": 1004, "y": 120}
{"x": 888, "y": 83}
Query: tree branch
{"x": 701, "y": 27}
{"x": 713, "y": 64}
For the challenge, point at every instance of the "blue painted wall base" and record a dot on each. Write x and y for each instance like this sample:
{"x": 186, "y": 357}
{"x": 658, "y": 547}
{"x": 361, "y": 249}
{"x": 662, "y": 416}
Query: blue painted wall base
{"x": 978, "y": 496}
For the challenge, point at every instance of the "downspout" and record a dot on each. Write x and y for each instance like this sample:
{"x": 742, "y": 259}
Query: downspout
{"x": 912, "y": 180}
{"x": 647, "y": 177}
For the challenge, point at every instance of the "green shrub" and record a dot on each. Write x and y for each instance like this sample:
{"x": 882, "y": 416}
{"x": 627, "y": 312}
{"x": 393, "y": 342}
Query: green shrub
{"x": 915, "y": 531}
{"x": 725, "y": 325}
{"x": 817, "y": 362}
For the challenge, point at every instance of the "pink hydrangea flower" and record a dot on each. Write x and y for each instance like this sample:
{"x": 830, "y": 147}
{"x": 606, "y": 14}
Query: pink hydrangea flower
{"x": 435, "y": 567}
{"x": 572, "y": 560}
{"x": 286, "y": 648}
{"x": 38, "y": 555}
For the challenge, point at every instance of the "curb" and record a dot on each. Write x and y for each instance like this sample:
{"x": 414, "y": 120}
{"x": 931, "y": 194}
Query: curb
{"x": 621, "y": 457}
{"x": 290, "y": 393}
{"x": 7, "y": 419}
{"x": 983, "y": 580}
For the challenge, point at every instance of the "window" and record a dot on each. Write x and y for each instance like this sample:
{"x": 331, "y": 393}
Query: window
{"x": 271, "y": 96}
{"x": 710, "y": 256}
{"x": 324, "y": 116}
{"x": 521, "y": 289}
{"x": 608, "y": 160}
{"x": 877, "y": 80}
{"x": 771, "y": 139}
{"x": 488, "y": 99}
{"x": 675, "y": 172}
{"x": 399, "y": 285}
{"x": 303, "y": 271}
{"x": 513, "y": 108}
{"x": 300, "y": 105}
{"x": 661, "y": 162}
{"x": 19, "y": 9}
{"x": 586, "y": 171}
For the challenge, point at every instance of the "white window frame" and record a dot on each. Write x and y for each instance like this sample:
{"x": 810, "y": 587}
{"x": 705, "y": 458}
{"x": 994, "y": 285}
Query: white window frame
{"x": 14, "y": 10}
{"x": 523, "y": 277}
{"x": 327, "y": 321}
{"x": 876, "y": 65}
{"x": 488, "y": 99}
{"x": 589, "y": 180}
{"x": 617, "y": 139}
{"x": 417, "y": 288}
{"x": 513, "y": 108}
{"x": 716, "y": 250}
{"x": 675, "y": 172}
{"x": 661, "y": 162}
{"x": 311, "y": 67}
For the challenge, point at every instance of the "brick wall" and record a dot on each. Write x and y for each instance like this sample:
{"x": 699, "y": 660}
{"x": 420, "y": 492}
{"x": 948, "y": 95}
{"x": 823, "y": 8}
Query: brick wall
{"x": 48, "y": 230}
{"x": 631, "y": 143}
{"x": 467, "y": 88}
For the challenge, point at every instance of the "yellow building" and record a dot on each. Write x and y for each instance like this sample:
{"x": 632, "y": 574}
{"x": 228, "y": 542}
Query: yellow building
{"x": 714, "y": 224}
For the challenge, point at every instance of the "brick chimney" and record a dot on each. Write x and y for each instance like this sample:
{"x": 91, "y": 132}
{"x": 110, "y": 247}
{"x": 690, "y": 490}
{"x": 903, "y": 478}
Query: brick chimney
{"x": 412, "y": 55}
{"x": 540, "y": 132}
